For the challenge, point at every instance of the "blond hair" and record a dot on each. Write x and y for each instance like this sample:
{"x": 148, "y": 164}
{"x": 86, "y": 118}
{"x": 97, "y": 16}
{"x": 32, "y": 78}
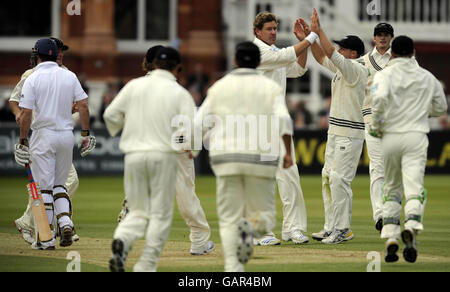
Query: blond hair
{"x": 261, "y": 19}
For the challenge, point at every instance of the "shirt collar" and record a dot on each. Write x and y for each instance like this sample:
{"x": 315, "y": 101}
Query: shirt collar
{"x": 402, "y": 60}
{"x": 244, "y": 71}
{"x": 164, "y": 74}
{"x": 258, "y": 41}
{"x": 375, "y": 52}
{"x": 47, "y": 64}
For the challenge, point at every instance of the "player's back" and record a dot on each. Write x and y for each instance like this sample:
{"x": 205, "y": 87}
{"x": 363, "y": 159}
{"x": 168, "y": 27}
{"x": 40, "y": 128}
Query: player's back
{"x": 50, "y": 92}
{"x": 152, "y": 103}
{"x": 411, "y": 90}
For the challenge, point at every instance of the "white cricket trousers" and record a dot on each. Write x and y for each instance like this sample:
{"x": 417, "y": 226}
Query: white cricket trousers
{"x": 189, "y": 204}
{"x": 51, "y": 160}
{"x": 149, "y": 184}
{"x": 405, "y": 156}
{"x": 342, "y": 155}
{"x": 71, "y": 185}
{"x": 376, "y": 172}
{"x": 236, "y": 196}
{"x": 291, "y": 195}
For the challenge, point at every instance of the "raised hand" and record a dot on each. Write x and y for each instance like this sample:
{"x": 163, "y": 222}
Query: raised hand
{"x": 315, "y": 23}
{"x": 305, "y": 26}
{"x": 299, "y": 31}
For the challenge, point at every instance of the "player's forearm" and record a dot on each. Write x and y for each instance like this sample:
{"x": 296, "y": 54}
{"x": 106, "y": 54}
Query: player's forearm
{"x": 25, "y": 123}
{"x": 287, "y": 143}
{"x": 302, "y": 47}
{"x": 15, "y": 109}
{"x": 83, "y": 109}
{"x": 318, "y": 53}
{"x": 326, "y": 44}
{"x": 303, "y": 59}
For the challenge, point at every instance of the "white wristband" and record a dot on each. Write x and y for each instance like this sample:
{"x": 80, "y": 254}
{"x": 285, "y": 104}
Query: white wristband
{"x": 312, "y": 37}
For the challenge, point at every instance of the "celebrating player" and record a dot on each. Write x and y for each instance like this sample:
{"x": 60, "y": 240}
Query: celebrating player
{"x": 245, "y": 181}
{"x": 150, "y": 159}
{"x": 188, "y": 202}
{"x": 404, "y": 96}
{"x": 25, "y": 224}
{"x": 49, "y": 93}
{"x": 345, "y": 133}
{"x": 375, "y": 61}
{"x": 279, "y": 64}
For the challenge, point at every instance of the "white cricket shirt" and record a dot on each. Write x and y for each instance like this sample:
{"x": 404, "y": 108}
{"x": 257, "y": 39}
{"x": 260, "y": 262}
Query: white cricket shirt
{"x": 347, "y": 96}
{"x": 279, "y": 64}
{"x": 404, "y": 96}
{"x": 145, "y": 109}
{"x": 50, "y": 92}
{"x": 244, "y": 95}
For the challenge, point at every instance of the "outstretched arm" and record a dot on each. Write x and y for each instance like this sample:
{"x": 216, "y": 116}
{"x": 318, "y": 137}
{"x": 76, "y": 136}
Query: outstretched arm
{"x": 325, "y": 43}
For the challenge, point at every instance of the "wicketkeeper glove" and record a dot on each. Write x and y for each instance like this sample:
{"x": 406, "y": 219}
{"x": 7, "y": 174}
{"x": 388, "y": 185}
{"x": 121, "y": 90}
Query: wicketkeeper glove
{"x": 22, "y": 152}
{"x": 375, "y": 132}
{"x": 87, "y": 143}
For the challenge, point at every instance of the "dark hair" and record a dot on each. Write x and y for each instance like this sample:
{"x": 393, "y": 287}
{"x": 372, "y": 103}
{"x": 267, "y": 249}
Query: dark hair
{"x": 147, "y": 63}
{"x": 167, "y": 58}
{"x": 247, "y": 55}
{"x": 47, "y": 58}
{"x": 402, "y": 46}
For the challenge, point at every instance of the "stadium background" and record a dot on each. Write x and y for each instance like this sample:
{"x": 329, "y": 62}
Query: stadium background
{"x": 108, "y": 39}
{"x": 107, "y": 43}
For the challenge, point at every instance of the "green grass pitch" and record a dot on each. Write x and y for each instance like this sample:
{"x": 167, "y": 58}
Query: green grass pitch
{"x": 98, "y": 202}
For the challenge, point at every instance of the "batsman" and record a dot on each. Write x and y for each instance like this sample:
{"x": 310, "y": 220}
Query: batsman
{"x": 49, "y": 93}
{"x": 25, "y": 224}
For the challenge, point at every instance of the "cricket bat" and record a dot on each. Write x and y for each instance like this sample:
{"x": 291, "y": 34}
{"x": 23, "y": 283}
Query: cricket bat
{"x": 38, "y": 208}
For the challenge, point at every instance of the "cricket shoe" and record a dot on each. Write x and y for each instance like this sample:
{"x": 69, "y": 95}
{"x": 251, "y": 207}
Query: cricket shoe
{"x": 27, "y": 234}
{"x": 379, "y": 224}
{"x": 266, "y": 240}
{"x": 410, "y": 251}
{"x": 245, "y": 243}
{"x": 65, "y": 236}
{"x": 205, "y": 249}
{"x": 296, "y": 236}
{"x": 391, "y": 250}
{"x": 119, "y": 256}
{"x": 338, "y": 236}
{"x": 321, "y": 235}
{"x": 37, "y": 245}
{"x": 75, "y": 236}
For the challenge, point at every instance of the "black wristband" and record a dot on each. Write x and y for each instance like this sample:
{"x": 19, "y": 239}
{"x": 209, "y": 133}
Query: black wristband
{"x": 24, "y": 141}
{"x": 85, "y": 133}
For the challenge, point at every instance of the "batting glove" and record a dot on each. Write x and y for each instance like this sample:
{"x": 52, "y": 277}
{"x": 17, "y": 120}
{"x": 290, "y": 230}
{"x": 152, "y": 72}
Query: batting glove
{"x": 375, "y": 132}
{"x": 87, "y": 143}
{"x": 22, "y": 152}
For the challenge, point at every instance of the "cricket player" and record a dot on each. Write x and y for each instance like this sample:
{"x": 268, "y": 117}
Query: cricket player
{"x": 151, "y": 158}
{"x": 345, "y": 133}
{"x": 187, "y": 200}
{"x": 25, "y": 224}
{"x": 245, "y": 177}
{"x": 404, "y": 95}
{"x": 375, "y": 61}
{"x": 279, "y": 64}
{"x": 49, "y": 93}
